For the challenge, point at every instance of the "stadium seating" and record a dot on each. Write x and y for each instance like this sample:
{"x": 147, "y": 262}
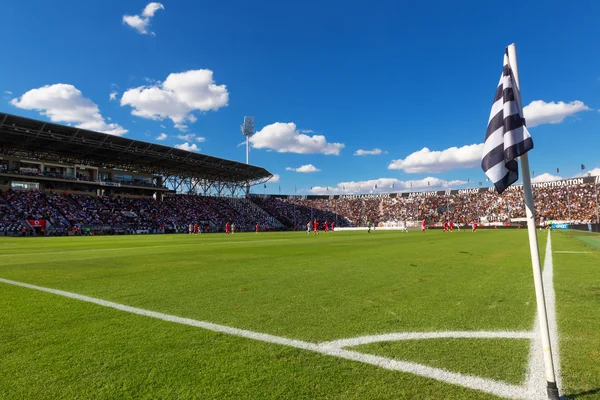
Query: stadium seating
{"x": 65, "y": 211}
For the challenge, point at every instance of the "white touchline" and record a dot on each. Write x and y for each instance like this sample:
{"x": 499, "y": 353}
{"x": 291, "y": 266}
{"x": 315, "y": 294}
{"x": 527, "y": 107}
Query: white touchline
{"x": 536, "y": 379}
{"x": 497, "y": 388}
{"x": 551, "y": 309}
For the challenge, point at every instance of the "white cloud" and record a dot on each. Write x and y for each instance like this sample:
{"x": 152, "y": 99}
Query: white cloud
{"x": 187, "y": 147}
{"x": 151, "y": 8}
{"x": 373, "y": 152}
{"x": 113, "y": 96}
{"x": 65, "y": 103}
{"x": 191, "y": 136}
{"x": 141, "y": 23}
{"x": 594, "y": 172}
{"x": 425, "y": 160}
{"x": 306, "y": 169}
{"x": 188, "y": 138}
{"x": 162, "y": 136}
{"x": 285, "y": 138}
{"x": 545, "y": 177}
{"x": 8, "y": 92}
{"x": 387, "y": 185}
{"x": 539, "y": 112}
{"x": 177, "y": 97}
{"x": 274, "y": 179}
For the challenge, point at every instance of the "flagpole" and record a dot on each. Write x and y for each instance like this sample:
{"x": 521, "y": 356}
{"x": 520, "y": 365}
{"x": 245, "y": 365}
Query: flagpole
{"x": 535, "y": 253}
{"x": 596, "y": 191}
{"x": 569, "y": 203}
{"x": 336, "y": 213}
{"x": 447, "y": 201}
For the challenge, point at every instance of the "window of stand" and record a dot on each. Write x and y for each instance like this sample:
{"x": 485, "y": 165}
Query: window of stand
{"x": 25, "y": 185}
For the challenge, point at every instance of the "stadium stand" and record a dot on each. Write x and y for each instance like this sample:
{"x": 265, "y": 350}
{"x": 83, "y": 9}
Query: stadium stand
{"x": 64, "y": 211}
{"x": 92, "y": 183}
{"x": 294, "y": 213}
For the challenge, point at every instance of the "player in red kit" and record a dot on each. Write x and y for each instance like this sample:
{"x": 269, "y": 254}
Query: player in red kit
{"x": 326, "y": 226}
{"x": 196, "y": 228}
{"x": 256, "y": 228}
{"x": 451, "y": 225}
{"x": 474, "y": 225}
{"x": 315, "y": 227}
{"x": 423, "y": 225}
{"x": 227, "y": 229}
{"x": 445, "y": 226}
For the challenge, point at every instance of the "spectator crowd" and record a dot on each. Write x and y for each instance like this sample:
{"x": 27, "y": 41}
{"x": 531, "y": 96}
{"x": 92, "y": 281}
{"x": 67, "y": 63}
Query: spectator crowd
{"x": 66, "y": 212}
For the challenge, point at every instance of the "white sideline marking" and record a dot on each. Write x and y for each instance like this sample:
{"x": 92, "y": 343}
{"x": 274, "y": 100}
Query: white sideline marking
{"x": 484, "y": 385}
{"x": 536, "y": 376}
{"x": 573, "y": 252}
{"x": 391, "y": 337}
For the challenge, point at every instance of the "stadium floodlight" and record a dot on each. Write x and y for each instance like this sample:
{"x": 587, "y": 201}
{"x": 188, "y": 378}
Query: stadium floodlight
{"x": 248, "y": 130}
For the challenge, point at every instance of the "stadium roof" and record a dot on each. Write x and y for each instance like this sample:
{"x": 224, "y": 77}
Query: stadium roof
{"x": 44, "y": 140}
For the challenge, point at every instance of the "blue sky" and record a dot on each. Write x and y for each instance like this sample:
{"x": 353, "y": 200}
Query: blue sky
{"x": 322, "y": 79}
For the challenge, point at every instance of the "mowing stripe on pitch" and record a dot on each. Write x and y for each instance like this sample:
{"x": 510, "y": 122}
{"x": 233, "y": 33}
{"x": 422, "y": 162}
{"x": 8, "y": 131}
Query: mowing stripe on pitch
{"x": 484, "y": 385}
{"x": 392, "y": 337}
{"x": 573, "y": 252}
{"x": 145, "y": 247}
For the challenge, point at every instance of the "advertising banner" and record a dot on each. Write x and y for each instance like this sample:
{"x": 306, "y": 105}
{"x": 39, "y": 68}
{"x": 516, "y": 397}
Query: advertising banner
{"x": 113, "y": 184}
{"x": 447, "y": 192}
{"x": 37, "y": 223}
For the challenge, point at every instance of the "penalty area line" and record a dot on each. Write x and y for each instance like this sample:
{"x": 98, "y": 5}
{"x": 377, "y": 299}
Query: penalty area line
{"x": 490, "y": 386}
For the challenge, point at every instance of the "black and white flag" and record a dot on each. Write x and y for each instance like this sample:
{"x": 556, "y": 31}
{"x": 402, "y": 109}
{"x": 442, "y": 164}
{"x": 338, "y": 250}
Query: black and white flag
{"x": 507, "y": 137}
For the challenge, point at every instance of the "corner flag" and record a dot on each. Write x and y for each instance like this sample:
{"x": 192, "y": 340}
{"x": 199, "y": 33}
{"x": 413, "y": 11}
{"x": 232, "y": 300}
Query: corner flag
{"x": 506, "y": 140}
{"x": 507, "y": 137}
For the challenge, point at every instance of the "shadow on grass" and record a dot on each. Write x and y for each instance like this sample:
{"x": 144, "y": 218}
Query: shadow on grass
{"x": 581, "y": 394}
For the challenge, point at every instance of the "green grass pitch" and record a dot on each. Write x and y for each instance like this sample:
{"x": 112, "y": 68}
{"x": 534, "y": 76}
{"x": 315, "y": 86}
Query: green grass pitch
{"x": 291, "y": 285}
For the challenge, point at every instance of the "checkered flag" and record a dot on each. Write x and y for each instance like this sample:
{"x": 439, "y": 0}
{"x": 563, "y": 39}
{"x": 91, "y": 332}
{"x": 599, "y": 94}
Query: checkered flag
{"x": 507, "y": 137}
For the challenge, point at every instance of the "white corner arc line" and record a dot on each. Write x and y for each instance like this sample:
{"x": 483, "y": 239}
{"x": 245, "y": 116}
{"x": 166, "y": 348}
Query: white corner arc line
{"x": 497, "y": 388}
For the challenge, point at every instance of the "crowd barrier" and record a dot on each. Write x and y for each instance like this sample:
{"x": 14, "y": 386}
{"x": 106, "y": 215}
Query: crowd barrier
{"x": 585, "y": 227}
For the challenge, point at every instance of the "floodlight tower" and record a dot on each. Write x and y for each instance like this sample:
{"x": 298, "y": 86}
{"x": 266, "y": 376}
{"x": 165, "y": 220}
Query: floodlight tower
{"x": 248, "y": 130}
